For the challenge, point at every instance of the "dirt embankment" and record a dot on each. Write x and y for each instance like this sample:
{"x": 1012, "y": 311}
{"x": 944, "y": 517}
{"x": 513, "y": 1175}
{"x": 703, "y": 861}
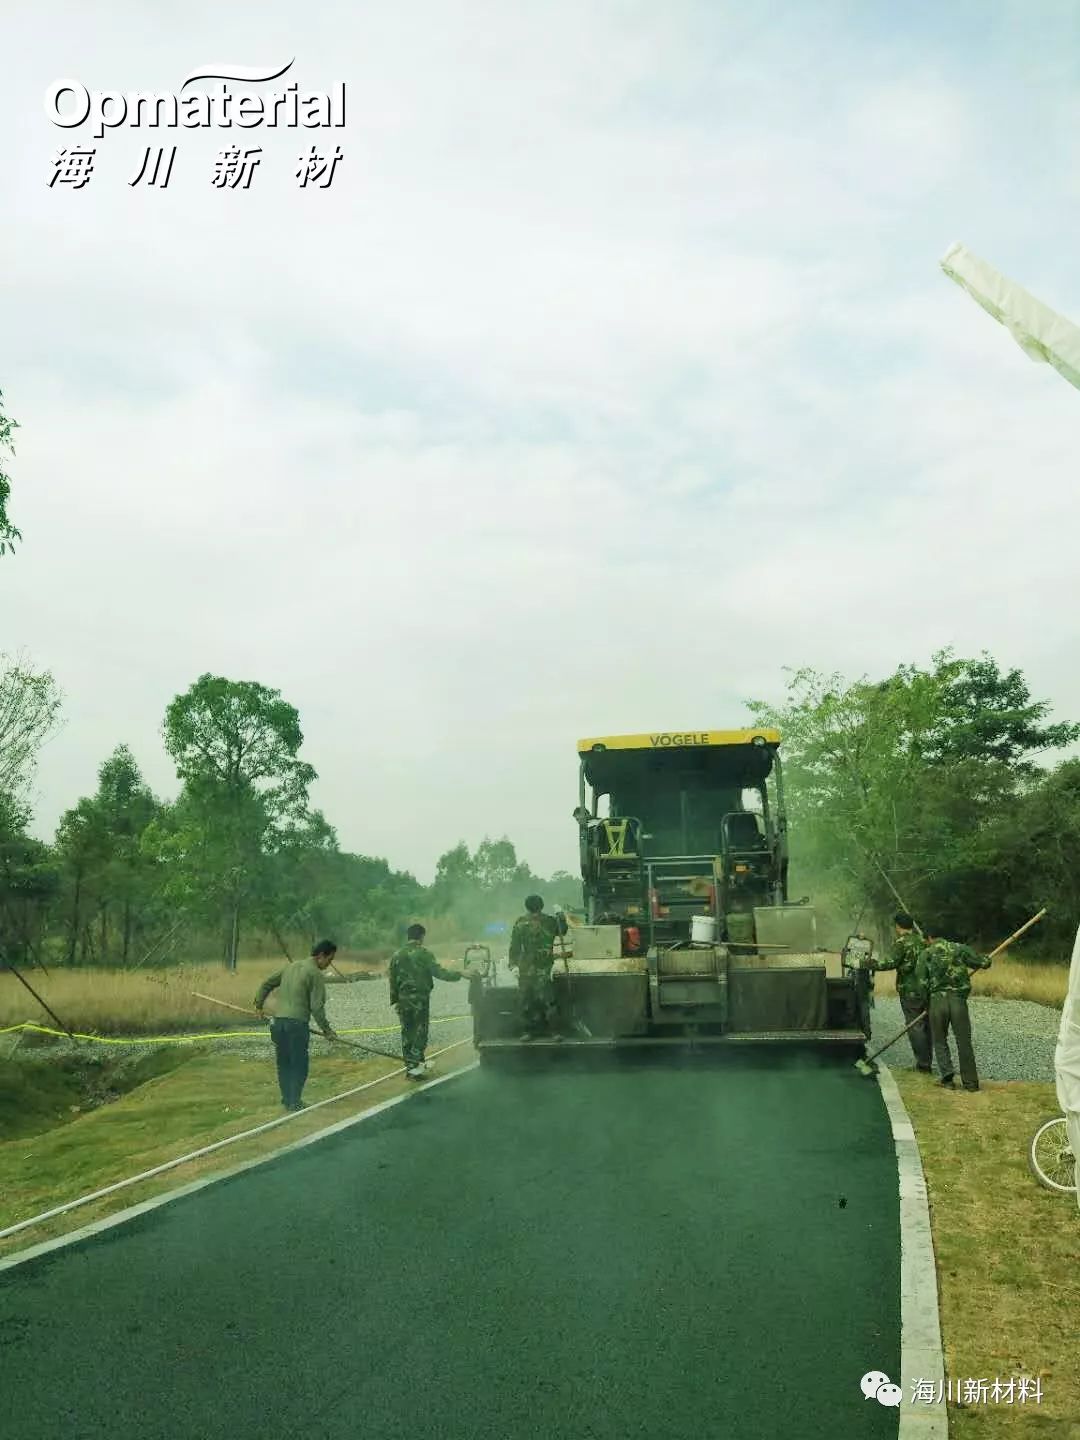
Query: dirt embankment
{"x": 37, "y": 1094}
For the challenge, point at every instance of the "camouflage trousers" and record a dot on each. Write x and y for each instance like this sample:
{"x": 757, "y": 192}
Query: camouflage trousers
{"x": 413, "y": 1012}
{"x": 921, "y": 1044}
{"x": 537, "y": 996}
{"x": 949, "y": 1011}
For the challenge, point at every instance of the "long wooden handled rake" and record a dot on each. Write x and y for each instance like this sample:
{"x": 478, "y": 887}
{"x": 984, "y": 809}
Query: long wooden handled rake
{"x": 865, "y": 1066}
{"x": 352, "y": 1044}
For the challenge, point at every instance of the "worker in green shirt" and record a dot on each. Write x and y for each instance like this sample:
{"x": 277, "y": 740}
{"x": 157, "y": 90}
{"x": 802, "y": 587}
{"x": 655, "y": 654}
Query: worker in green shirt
{"x": 532, "y": 955}
{"x": 412, "y": 975}
{"x": 301, "y": 998}
{"x": 945, "y": 969}
{"x": 907, "y": 951}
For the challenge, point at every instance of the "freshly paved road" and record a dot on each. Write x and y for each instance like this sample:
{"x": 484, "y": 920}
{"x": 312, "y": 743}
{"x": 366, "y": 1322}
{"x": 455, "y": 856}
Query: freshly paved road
{"x": 641, "y": 1248}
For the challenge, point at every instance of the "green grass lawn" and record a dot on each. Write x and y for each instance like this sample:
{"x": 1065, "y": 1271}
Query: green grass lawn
{"x": 202, "y": 1097}
{"x": 37, "y": 1094}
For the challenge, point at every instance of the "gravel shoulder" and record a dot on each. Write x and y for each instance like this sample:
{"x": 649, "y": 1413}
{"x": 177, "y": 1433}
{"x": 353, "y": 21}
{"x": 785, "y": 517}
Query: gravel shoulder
{"x": 363, "y": 1005}
{"x": 1013, "y": 1039}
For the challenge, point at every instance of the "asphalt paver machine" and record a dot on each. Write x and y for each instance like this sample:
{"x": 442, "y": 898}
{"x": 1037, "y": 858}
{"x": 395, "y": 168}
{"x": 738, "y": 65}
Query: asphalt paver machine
{"x": 688, "y": 935}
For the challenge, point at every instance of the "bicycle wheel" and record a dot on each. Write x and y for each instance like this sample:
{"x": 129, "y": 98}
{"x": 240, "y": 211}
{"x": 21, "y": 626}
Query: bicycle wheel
{"x": 1051, "y": 1159}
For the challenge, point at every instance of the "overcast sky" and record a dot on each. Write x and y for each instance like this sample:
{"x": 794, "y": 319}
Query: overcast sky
{"x": 614, "y": 372}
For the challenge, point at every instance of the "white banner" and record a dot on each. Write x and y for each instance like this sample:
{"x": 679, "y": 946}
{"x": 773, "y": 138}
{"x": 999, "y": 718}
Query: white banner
{"x": 1040, "y": 332}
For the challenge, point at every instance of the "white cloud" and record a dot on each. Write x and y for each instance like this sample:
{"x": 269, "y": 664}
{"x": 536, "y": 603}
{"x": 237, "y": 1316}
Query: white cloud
{"x": 614, "y": 373}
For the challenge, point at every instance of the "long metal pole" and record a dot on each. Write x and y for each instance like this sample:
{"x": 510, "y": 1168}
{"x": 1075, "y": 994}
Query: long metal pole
{"x": 23, "y": 981}
{"x": 896, "y": 893}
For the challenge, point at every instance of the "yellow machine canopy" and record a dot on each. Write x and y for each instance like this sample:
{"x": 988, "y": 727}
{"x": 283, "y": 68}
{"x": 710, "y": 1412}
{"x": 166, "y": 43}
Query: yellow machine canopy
{"x": 680, "y": 784}
{"x": 732, "y": 758}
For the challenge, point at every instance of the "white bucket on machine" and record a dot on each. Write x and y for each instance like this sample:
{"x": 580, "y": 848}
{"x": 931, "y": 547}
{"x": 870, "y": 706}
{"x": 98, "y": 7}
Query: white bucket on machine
{"x": 703, "y": 930}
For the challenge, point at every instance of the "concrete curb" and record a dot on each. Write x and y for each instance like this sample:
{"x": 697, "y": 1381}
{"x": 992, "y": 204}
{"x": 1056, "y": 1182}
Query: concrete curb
{"x": 921, "y": 1355}
{"x": 123, "y": 1216}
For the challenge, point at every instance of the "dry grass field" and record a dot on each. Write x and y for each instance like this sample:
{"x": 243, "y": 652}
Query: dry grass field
{"x": 144, "y": 1002}
{"x": 1008, "y": 1254}
{"x": 1038, "y": 980}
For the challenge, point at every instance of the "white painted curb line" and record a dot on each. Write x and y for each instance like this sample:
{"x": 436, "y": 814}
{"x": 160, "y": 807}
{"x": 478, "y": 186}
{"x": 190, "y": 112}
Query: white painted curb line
{"x": 921, "y": 1357}
{"x": 122, "y": 1216}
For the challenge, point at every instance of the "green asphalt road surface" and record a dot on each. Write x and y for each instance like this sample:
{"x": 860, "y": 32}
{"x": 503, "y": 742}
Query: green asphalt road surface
{"x": 585, "y": 1248}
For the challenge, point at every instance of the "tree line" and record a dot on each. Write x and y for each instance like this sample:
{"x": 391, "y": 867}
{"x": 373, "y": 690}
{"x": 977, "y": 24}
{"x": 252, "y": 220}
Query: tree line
{"x": 936, "y": 788}
{"x": 131, "y": 879}
{"x": 938, "y": 785}
{"x": 933, "y": 784}
{"x": 8, "y": 533}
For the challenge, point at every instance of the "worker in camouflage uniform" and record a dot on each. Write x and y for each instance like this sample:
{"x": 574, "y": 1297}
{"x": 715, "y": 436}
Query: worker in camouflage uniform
{"x": 532, "y": 954}
{"x": 945, "y": 969}
{"x": 906, "y": 952}
{"x": 412, "y": 972}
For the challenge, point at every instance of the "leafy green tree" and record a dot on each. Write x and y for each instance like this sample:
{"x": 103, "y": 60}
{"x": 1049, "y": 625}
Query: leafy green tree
{"x": 236, "y": 747}
{"x": 893, "y": 786}
{"x": 106, "y": 870}
{"x": 564, "y": 889}
{"x": 1031, "y": 849}
{"x": 81, "y": 849}
{"x": 495, "y": 863}
{"x": 28, "y": 883}
{"x": 455, "y": 877}
{"x": 297, "y": 880}
{"x": 29, "y": 714}
{"x": 313, "y": 888}
{"x": 989, "y": 717}
{"x": 8, "y": 533}
{"x": 472, "y": 889}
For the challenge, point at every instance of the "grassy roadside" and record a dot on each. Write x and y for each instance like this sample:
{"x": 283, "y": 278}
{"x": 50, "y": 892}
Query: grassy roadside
{"x": 144, "y": 1002}
{"x": 125, "y": 1002}
{"x": 1038, "y": 980}
{"x": 52, "y": 1090}
{"x": 203, "y": 1099}
{"x": 1008, "y": 1254}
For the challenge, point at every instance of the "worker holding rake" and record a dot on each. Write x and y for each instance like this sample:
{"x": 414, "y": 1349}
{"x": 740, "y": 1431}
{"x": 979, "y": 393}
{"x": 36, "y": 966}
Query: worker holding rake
{"x": 910, "y": 987}
{"x": 945, "y": 969}
{"x": 301, "y": 998}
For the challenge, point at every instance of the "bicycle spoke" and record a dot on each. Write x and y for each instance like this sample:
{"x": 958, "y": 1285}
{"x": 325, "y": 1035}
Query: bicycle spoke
{"x": 1051, "y": 1157}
